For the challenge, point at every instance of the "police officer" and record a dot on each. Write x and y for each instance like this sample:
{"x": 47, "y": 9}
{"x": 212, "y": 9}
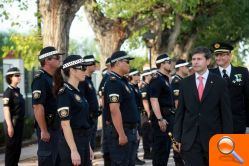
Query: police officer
{"x": 238, "y": 84}
{"x": 73, "y": 110}
{"x": 88, "y": 90}
{"x": 182, "y": 71}
{"x": 14, "y": 111}
{"x": 105, "y": 149}
{"x": 122, "y": 112}
{"x": 162, "y": 105}
{"x": 145, "y": 120}
{"x": 44, "y": 105}
{"x": 134, "y": 79}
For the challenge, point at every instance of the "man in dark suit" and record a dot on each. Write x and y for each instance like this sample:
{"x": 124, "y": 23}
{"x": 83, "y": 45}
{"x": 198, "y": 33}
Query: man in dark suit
{"x": 204, "y": 110}
{"x": 238, "y": 85}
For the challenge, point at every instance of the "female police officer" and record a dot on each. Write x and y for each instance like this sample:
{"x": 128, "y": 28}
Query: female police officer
{"x": 74, "y": 148}
{"x": 14, "y": 110}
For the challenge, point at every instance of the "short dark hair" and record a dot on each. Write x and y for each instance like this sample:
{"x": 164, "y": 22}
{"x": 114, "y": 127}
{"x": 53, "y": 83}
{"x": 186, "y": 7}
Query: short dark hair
{"x": 8, "y": 78}
{"x": 202, "y": 50}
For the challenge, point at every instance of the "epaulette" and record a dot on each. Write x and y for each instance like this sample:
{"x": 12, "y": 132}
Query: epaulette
{"x": 112, "y": 78}
{"x": 38, "y": 74}
{"x": 154, "y": 76}
{"x": 175, "y": 80}
{"x": 61, "y": 90}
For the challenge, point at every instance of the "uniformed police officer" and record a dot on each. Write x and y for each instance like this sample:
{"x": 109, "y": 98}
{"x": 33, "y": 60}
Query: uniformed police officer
{"x": 162, "y": 105}
{"x": 88, "y": 90}
{"x": 105, "y": 149}
{"x": 73, "y": 110}
{"x": 182, "y": 71}
{"x": 145, "y": 120}
{"x": 238, "y": 84}
{"x": 14, "y": 111}
{"x": 134, "y": 79}
{"x": 44, "y": 105}
{"x": 122, "y": 112}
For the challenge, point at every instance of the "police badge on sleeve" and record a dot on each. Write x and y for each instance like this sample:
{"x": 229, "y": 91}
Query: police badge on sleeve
{"x": 63, "y": 112}
{"x": 36, "y": 94}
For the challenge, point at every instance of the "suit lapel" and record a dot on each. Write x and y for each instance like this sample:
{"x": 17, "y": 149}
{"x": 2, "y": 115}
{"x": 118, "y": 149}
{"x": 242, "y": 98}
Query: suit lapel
{"x": 208, "y": 86}
{"x": 193, "y": 82}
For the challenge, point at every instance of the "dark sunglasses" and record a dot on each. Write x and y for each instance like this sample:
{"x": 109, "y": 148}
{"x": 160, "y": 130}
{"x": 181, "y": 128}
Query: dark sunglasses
{"x": 82, "y": 68}
{"x": 56, "y": 57}
{"x": 17, "y": 75}
{"x": 126, "y": 61}
{"x": 169, "y": 62}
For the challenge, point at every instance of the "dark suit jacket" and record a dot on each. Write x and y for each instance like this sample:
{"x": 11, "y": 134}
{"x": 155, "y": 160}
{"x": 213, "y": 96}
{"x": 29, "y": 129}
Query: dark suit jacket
{"x": 239, "y": 96}
{"x": 210, "y": 116}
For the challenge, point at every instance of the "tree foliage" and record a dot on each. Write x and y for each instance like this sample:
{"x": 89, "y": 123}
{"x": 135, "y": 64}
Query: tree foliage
{"x": 26, "y": 47}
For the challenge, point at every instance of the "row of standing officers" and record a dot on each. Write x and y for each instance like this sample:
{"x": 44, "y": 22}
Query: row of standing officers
{"x": 66, "y": 108}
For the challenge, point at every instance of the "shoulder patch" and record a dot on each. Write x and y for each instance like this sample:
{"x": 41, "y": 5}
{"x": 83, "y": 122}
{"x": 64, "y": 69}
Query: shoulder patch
{"x": 114, "y": 98}
{"x": 36, "y": 94}
{"x": 176, "y": 92}
{"x": 144, "y": 94}
{"x": 63, "y": 112}
{"x": 5, "y": 101}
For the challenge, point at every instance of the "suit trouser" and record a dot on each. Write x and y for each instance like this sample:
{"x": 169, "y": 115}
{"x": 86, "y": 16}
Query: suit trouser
{"x": 93, "y": 133}
{"x": 124, "y": 155}
{"x": 14, "y": 144}
{"x": 196, "y": 155}
{"x": 47, "y": 152}
{"x": 147, "y": 137}
{"x": 161, "y": 143}
{"x": 105, "y": 147}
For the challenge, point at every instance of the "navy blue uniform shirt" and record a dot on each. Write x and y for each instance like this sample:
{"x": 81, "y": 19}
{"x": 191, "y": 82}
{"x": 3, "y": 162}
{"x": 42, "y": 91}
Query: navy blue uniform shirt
{"x": 145, "y": 92}
{"x": 13, "y": 99}
{"x": 101, "y": 93}
{"x": 73, "y": 106}
{"x": 88, "y": 90}
{"x": 42, "y": 92}
{"x": 175, "y": 86}
{"x": 160, "y": 88}
{"x": 118, "y": 90}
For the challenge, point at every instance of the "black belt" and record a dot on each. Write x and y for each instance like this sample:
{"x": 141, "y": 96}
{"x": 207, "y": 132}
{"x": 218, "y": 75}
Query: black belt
{"x": 125, "y": 125}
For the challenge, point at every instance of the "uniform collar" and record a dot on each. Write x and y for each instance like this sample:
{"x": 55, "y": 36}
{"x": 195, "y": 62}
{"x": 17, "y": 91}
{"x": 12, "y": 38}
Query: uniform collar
{"x": 115, "y": 74}
{"x": 45, "y": 72}
{"x": 228, "y": 69}
{"x": 178, "y": 76}
{"x": 70, "y": 87}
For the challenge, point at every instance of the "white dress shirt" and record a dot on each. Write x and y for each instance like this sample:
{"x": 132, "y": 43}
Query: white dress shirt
{"x": 204, "y": 76}
{"x": 228, "y": 70}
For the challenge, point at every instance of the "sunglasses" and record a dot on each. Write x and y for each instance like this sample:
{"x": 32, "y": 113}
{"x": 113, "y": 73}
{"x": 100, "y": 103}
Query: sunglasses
{"x": 82, "y": 68}
{"x": 56, "y": 57}
{"x": 17, "y": 75}
{"x": 126, "y": 61}
{"x": 169, "y": 62}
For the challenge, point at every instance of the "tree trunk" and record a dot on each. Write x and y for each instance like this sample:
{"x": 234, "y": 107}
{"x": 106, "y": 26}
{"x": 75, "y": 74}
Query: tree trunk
{"x": 57, "y": 17}
{"x": 110, "y": 34}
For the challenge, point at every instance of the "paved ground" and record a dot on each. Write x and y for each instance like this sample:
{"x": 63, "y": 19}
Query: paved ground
{"x": 28, "y": 157}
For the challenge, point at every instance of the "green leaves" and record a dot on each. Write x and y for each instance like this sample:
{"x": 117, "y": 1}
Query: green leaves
{"x": 26, "y": 47}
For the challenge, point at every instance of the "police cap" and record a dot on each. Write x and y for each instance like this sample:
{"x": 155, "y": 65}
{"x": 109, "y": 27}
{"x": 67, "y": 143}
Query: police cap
{"x": 48, "y": 52}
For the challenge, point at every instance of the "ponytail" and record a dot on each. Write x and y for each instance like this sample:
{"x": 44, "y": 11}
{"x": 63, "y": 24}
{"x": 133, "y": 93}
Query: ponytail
{"x": 58, "y": 81}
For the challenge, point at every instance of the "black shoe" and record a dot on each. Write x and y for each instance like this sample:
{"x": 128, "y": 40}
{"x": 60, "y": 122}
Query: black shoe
{"x": 139, "y": 162}
{"x": 147, "y": 156}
